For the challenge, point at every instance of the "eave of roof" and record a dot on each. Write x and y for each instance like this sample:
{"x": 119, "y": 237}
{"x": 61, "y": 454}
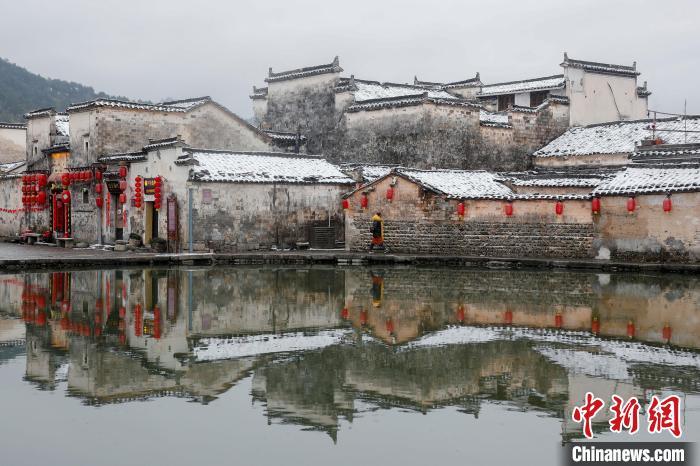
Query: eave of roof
{"x": 333, "y": 67}
{"x": 13, "y": 125}
{"x": 407, "y": 101}
{"x": 527, "y": 85}
{"x": 601, "y": 68}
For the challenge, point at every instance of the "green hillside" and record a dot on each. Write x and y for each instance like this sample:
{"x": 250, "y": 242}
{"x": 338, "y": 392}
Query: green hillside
{"x": 22, "y": 91}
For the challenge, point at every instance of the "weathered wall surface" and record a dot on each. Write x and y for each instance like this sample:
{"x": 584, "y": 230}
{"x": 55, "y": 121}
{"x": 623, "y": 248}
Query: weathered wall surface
{"x": 12, "y": 144}
{"x": 39, "y": 131}
{"x": 243, "y": 217}
{"x": 650, "y": 234}
{"x": 307, "y": 104}
{"x": 607, "y": 160}
{"x": 10, "y": 199}
{"x": 212, "y": 127}
{"x": 417, "y": 222}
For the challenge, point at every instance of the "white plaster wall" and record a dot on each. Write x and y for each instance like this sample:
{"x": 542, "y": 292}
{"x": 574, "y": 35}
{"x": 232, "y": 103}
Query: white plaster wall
{"x": 13, "y": 143}
{"x": 522, "y": 99}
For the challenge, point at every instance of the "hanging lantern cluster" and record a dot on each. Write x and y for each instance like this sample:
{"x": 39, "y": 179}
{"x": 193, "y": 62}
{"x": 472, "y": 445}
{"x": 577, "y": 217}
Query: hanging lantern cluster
{"x": 33, "y": 189}
{"x": 122, "y": 188}
{"x": 78, "y": 176}
{"x": 138, "y": 194}
{"x": 157, "y": 192}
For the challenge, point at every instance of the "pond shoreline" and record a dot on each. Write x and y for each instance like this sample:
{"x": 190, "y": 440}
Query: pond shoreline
{"x": 20, "y": 257}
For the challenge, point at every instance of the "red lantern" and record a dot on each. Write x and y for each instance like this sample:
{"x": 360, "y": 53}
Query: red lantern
{"x": 65, "y": 179}
{"x": 668, "y": 204}
{"x": 156, "y": 191}
{"x": 364, "y": 201}
{"x": 122, "y": 198}
{"x": 25, "y": 179}
{"x": 32, "y": 178}
{"x": 630, "y": 329}
{"x": 98, "y": 202}
{"x": 158, "y": 181}
{"x": 65, "y": 196}
{"x": 156, "y": 205}
{"x": 666, "y": 333}
{"x": 122, "y": 172}
{"x": 345, "y": 313}
{"x": 390, "y": 194}
{"x": 98, "y": 175}
{"x": 122, "y": 185}
{"x": 631, "y": 205}
{"x": 41, "y": 197}
{"x": 98, "y": 188}
{"x": 461, "y": 209}
{"x": 509, "y": 209}
{"x": 137, "y": 190}
{"x": 559, "y": 207}
{"x": 42, "y": 180}
{"x": 595, "y": 205}
{"x": 73, "y": 176}
{"x": 346, "y": 204}
{"x": 508, "y": 317}
{"x": 595, "y": 326}
{"x": 558, "y": 320}
{"x": 137, "y": 181}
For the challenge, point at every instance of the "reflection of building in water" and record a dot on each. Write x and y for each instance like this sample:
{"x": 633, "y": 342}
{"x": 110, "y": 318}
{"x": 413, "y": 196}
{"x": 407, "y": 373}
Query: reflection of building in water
{"x": 119, "y": 335}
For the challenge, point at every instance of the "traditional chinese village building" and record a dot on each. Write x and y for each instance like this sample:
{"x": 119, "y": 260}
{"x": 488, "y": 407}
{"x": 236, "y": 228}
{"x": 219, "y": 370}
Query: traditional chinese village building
{"x": 462, "y": 124}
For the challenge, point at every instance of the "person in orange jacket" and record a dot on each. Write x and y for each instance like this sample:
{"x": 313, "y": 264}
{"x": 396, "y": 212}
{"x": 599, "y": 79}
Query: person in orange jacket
{"x": 377, "y": 230}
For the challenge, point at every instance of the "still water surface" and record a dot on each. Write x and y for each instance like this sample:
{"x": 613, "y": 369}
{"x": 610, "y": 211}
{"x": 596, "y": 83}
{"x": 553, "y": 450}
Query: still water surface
{"x": 332, "y": 366}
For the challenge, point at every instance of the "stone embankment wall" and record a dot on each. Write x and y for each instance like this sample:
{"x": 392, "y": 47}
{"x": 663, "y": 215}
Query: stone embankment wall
{"x": 421, "y": 222}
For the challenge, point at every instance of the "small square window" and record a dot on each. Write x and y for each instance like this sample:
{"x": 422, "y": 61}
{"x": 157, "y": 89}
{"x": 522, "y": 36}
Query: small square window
{"x": 86, "y": 196}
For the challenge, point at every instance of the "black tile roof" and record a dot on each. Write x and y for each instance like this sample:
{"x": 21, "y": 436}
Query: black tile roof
{"x": 333, "y": 67}
{"x": 603, "y": 68}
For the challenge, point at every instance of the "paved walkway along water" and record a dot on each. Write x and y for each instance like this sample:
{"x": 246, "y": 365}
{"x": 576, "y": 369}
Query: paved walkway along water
{"x": 19, "y": 256}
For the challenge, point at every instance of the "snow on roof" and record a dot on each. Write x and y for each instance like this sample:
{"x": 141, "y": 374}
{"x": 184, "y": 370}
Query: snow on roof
{"x": 604, "y": 68}
{"x": 187, "y": 104}
{"x": 678, "y": 155}
{"x": 262, "y": 167}
{"x": 408, "y": 101}
{"x": 259, "y": 93}
{"x": 285, "y": 137}
{"x": 470, "y": 82}
{"x": 635, "y": 180}
{"x": 549, "y": 182}
{"x": 526, "y": 85}
{"x": 333, "y": 67}
{"x": 370, "y": 90}
{"x": 372, "y": 173}
{"x": 493, "y": 119}
{"x": 62, "y": 126}
{"x": 40, "y": 113}
{"x": 114, "y": 103}
{"x": 123, "y": 157}
{"x": 11, "y": 166}
{"x": 620, "y": 137}
{"x": 459, "y": 184}
{"x": 211, "y": 349}
{"x": 13, "y": 125}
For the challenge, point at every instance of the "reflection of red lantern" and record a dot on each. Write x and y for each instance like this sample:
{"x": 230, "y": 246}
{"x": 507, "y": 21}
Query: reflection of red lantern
{"x": 122, "y": 172}
{"x": 630, "y": 329}
{"x": 156, "y": 322}
{"x": 389, "y": 326}
{"x": 631, "y": 205}
{"x": 364, "y": 201}
{"x": 595, "y": 205}
{"x": 461, "y": 209}
{"x": 98, "y": 202}
{"x": 508, "y": 317}
{"x": 460, "y": 314}
{"x": 666, "y": 333}
{"x": 595, "y": 326}
{"x": 363, "y": 317}
{"x": 345, "y": 313}
{"x": 509, "y": 209}
{"x": 668, "y": 204}
{"x": 138, "y": 320}
{"x": 558, "y": 320}
{"x": 390, "y": 194}
{"x": 559, "y": 207}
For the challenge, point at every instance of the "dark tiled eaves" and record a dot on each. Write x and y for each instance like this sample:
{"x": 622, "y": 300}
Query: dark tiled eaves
{"x": 602, "y": 68}
{"x": 333, "y": 67}
{"x": 408, "y": 101}
{"x": 13, "y": 125}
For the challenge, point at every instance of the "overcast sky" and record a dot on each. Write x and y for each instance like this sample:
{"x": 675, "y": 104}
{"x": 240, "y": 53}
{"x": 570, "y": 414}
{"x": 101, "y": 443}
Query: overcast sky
{"x": 155, "y": 49}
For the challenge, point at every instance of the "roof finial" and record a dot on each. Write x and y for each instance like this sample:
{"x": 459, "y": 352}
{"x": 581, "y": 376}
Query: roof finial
{"x": 336, "y": 61}
{"x": 566, "y": 56}
{"x": 634, "y": 65}
{"x": 478, "y": 76}
{"x": 415, "y": 79}
{"x": 269, "y": 71}
{"x": 352, "y": 80}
